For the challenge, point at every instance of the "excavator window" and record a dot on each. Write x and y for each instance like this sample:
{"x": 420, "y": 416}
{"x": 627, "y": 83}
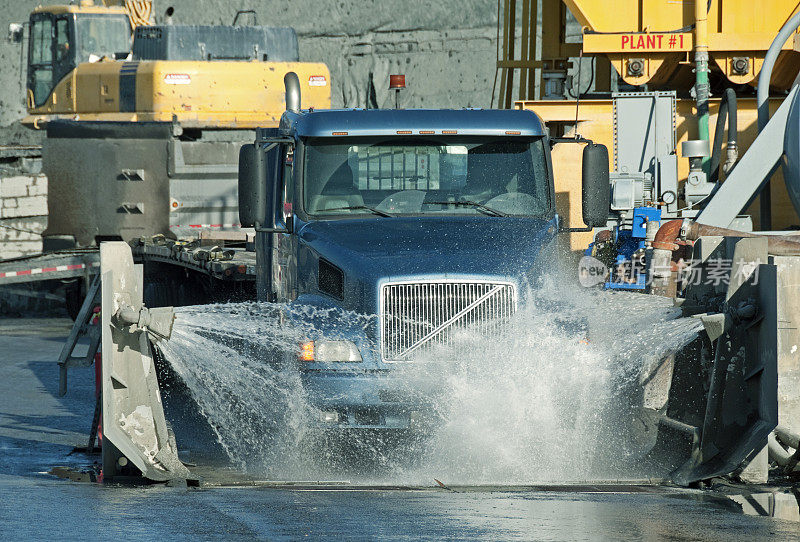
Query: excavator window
{"x": 59, "y": 43}
{"x": 102, "y": 36}
{"x": 40, "y": 69}
{"x": 64, "y": 52}
{"x": 62, "y": 39}
{"x": 52, "y": 54}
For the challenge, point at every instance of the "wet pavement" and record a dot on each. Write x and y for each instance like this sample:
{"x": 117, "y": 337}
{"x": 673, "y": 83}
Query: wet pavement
{"x": 38, "y": 431}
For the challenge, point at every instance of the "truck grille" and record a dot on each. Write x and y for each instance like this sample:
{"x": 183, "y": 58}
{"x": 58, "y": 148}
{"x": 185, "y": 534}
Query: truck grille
{"x": 417, "y": 316}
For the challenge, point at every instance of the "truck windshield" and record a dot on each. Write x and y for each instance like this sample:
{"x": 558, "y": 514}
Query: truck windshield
{"x": 494, "y": 176}
{"x": 102, "y": 35}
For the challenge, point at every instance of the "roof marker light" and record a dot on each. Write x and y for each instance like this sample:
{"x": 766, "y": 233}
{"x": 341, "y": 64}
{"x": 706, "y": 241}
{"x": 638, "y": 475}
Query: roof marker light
{"x": 512, "y": 132}
{"x": 427, "y": 132}
{"x": 397, "y": 82}
{"x": 403, "y": 132}
{"x": 338, "y": 133}
{"x": 449, "y": 131}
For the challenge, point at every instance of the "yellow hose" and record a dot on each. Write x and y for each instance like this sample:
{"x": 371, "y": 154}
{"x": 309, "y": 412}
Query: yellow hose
{"x": 140, "y": 12}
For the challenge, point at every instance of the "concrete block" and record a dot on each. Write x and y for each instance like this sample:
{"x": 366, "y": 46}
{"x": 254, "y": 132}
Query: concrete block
{"x": 32, "y": 165}
{"x": 23, "y": 230}
{"x": 8, "y": 254}
{"x": 788, "y": 341}
{"x": 757, "y": 471}
{"x": 19, "y": 248}
{"x": 13, "y": 187}
{"x": 10, "y": 203}
{"x": 38, "y": 188}
{"x": 28, "y": 206}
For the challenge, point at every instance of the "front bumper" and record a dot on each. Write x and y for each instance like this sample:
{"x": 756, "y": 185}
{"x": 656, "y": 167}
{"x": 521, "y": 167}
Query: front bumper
{"x": 367, "y": 400}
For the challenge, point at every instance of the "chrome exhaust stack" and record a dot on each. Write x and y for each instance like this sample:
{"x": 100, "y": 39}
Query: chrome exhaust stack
{"x": 292, "y": 84}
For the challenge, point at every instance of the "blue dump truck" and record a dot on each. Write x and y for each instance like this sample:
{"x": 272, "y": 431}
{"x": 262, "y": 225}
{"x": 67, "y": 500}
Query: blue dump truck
{"x": 432, "y": 220}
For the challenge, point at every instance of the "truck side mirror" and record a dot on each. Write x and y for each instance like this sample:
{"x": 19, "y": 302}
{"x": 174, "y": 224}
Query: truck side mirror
{"x": 596, "y": 186}
{"x": 255, "y": 196}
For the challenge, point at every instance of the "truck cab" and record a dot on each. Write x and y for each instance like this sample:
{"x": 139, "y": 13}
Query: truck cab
{"x": 428, "y": 223}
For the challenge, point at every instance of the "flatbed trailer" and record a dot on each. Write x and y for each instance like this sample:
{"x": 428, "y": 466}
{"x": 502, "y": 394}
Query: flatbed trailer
{"x": 68, "y": 264}
{"x": 215, "y": 266}
{"x": 223, "y": 263}
{"x": 62, "y": 274}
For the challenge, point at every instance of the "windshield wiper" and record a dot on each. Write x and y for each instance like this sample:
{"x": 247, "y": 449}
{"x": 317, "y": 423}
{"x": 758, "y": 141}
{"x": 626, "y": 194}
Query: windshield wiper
{"x": 467, "y": 203}
{"x": 364, "y": 207}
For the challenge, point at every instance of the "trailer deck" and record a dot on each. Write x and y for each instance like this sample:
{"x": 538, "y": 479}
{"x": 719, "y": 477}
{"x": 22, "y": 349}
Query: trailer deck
{"x": 217, "y": 260}
{"x": 49, "y": 266}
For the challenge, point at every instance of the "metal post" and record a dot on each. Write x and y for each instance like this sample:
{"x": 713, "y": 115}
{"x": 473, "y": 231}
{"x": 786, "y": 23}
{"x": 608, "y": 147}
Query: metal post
{"x": 263, "y": 265}
{"x": 701, "y": 86}
{"x": 523, "y": 75}
{"x": 532, "y": 34}
{"x": 511, "y": 32}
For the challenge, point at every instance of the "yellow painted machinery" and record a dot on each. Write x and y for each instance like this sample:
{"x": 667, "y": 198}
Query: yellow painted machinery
{"x": 89, "y": 62}
{"x": 695, "y": 50}
{"x": 652, "y": 42}
{"x": 144, "y": 122}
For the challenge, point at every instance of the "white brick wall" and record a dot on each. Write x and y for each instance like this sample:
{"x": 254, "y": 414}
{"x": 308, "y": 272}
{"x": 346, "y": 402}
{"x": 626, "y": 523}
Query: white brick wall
{"x": 23, "y": 214}
{"x": 26, "y": 206}
{"x": 14, "y": 187}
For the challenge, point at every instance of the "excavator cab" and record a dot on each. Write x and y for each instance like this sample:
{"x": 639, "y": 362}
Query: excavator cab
{"x": 61, "y": 37}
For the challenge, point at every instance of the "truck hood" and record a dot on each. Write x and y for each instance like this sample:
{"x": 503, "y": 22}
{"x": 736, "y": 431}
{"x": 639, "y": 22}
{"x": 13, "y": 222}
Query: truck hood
{"x": 372, "y": 251}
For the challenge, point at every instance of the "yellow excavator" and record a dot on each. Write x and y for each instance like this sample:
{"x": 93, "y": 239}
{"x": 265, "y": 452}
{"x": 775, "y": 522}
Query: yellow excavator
{"x": 144, "y": 121}
{"x": 108, "y": 62}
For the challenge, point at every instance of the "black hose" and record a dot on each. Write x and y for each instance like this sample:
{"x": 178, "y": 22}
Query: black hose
{"x": 727, "y": 112}
{"x": 733, "y": 115}
{"x": 719, "y": 131}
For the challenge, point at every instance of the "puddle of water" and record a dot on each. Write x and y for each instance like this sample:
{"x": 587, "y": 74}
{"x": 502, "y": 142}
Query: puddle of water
{"x": 533, "y": 402}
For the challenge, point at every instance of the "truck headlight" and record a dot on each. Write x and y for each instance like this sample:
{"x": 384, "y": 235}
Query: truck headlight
{"x": 329, "y": 351}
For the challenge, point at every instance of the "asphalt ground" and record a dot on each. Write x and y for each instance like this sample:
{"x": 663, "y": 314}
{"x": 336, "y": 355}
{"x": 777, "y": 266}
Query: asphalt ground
{"x": 40, "y": 430}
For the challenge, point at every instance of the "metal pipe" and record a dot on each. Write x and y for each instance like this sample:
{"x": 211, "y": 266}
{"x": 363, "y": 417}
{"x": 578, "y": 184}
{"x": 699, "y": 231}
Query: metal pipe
{"x": 778, "y": 245}
{"x": 701, "y": 86}
{"x": 727, "y": 112}
{"x": 787, "y": 437}
{"x": 777, "y": 452}
{"x": 719, "y": 132}
{"x": 292, "y": 85}
{"x": 762, "y": 99}
{"x": 732, "y": 150}
{"x": 667, "y": 235}
{"x": 662, "y": 278}
{"x": 127, "y": 315}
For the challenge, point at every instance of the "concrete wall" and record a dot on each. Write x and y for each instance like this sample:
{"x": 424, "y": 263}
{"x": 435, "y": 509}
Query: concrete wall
{"x": 23, "y": 214}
